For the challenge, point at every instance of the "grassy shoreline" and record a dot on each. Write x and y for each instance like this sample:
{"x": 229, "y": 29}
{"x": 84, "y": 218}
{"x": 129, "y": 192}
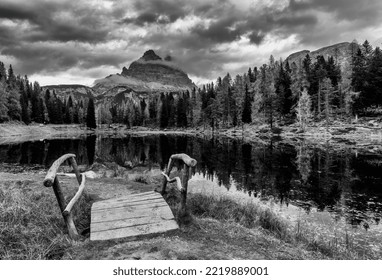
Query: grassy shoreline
{"x": 220, "y": 228}
{"x": 361, "y": 133}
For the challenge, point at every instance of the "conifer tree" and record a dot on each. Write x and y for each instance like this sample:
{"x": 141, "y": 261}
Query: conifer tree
{"x": 247, "y": 107}
{"x": 14, "y": 108}
{"x": 171, "y": 110}
{"x": 164, "y": 111}
{"x": 303, "y": 110}
{"x": 11, "y": 81}
{"x": 3, "y": 103}
{"x": 327, "y": 90}
{"x": 3, "y": 73}
{"x": 267, "y": 91}
{"x": 24, "y": 102}
{"x": 90, "y": 115}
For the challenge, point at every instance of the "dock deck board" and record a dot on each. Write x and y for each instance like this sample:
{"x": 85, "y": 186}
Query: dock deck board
{"x": 132, "y": 215}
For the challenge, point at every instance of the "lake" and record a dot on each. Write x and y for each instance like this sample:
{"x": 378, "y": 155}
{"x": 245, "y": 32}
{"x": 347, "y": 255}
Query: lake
{"x": 337, "y": 192}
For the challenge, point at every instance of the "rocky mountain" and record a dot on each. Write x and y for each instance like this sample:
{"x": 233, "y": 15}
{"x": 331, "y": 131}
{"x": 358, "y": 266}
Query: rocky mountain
{"x": 149, "y": 74}
{"x": 341, "y": 53}
{"x": 76, "y": 91}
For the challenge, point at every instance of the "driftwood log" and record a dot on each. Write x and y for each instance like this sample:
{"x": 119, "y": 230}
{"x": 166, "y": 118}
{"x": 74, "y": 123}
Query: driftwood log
{"x": 51, "y": 180}
{"x": 182, "y": 183}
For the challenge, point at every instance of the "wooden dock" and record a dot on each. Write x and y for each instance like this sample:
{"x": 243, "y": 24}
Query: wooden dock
{"x": 132, "y": 215}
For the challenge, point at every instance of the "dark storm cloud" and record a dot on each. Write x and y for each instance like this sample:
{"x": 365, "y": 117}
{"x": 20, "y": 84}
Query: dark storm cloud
{"x": 344, "y": 9}
{"x": 45, "y": 24}
{"x": 220, "y": 31}
{"x": 228, "y": 24}
{"x": 256, "y": 38}
{"x": 43, "y": 35}
{"x": 354, "y": 13}
{"x": 39, "y": 30}
{"x": 13, "y": 11}
{"x": 41, "y": 58}
{"x": 157, "y": 11}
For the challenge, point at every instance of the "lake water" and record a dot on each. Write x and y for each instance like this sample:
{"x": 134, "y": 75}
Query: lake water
{"x": 336, "y": 192}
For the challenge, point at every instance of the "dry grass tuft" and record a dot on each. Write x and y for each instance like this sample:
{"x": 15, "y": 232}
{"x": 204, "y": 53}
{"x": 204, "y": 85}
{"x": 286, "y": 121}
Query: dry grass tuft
{"x": 31, "y": 225}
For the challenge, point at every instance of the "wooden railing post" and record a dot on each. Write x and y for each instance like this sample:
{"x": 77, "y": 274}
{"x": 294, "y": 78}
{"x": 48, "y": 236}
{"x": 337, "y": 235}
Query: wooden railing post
{"x": 182, "y": 184}
{"x": 168, "y": 171}
{"x": 51, "y": 180}
{"x": 183, "y": 192}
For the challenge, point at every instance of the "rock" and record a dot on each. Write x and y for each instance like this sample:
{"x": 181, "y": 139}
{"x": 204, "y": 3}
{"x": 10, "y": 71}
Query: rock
{"x": 150, "y": 68}
{"x": 341, "y": 51}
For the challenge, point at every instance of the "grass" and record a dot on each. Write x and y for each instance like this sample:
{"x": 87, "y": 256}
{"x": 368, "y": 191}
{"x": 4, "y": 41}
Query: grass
{"x": 248, "y": 215}
{"x": 252, "y": 215}
{"x": 31, "y": 225}
{"x": 142, "y": 178}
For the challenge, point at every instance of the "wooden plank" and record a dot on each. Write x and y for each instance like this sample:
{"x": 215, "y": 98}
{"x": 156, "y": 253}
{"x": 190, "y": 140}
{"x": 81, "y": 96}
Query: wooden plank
{"x": 121, "y": 213}
{"x": 128, "y": 202}
{"x": 133, "y": 215}
{"x": 159, "y": 227}
{"x": 130, "y": 198}
{"x": 130, "y": 207}
{"x": 129, "y": 222}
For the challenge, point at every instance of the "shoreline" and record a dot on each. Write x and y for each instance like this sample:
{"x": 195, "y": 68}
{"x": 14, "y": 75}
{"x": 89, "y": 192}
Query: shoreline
{"x": 358, "y": 136}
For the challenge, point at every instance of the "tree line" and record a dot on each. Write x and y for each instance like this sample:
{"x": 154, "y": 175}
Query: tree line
{"x": 20, "y": 100}
{"x": 312, "y": 89}
{"x": 277, "y": 93}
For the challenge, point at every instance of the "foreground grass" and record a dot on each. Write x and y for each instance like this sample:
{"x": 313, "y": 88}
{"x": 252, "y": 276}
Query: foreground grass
{"x": 31, "y": 226}
{"x": 252, "y": 215}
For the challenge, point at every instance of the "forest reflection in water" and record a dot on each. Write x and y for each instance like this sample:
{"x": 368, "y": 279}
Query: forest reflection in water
{"x": 345, "y": 184}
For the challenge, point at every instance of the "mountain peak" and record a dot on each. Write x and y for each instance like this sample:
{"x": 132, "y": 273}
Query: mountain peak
{"x": 150, "y": 55}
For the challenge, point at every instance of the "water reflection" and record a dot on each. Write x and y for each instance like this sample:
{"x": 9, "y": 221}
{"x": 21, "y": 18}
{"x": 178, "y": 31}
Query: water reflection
{"x": 339, "y": 182}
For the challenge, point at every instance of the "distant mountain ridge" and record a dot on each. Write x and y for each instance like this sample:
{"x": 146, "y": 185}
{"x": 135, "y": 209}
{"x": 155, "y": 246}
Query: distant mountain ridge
{"x": 148, "y": 75}
{"x": 341, "y": 53}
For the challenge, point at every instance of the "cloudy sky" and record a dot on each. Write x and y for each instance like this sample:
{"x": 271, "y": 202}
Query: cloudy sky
{"x": 66, "y": 41}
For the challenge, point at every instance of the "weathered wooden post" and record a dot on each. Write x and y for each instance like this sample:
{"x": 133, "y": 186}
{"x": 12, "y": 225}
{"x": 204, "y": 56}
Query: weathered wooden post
{"x": 52, "y": 180}
{"x": 182, "y": 184}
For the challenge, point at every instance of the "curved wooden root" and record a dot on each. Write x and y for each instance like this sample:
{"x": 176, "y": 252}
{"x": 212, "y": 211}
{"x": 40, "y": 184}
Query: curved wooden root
{"x": 177, "y": 179}
{"x": 49, "y": 178}
{"x": 73, "y": 201}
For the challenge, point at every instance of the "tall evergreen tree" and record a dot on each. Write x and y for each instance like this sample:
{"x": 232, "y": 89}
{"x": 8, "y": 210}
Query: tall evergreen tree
{"x": 14, "y": 108}
{"x": 11, "y": 81}
{"x": 247, "y": 107}
{"x": 3, "y": 73}
{"x": 163, "y": 111}
{"x": 267, "y": 90}
{"x": 303, "y": 110}
{"x": 90, "y": 115}
{"x": 181, "y": 112}
{"x": 24, "y": 102}
{"x": 3, "y": 103}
